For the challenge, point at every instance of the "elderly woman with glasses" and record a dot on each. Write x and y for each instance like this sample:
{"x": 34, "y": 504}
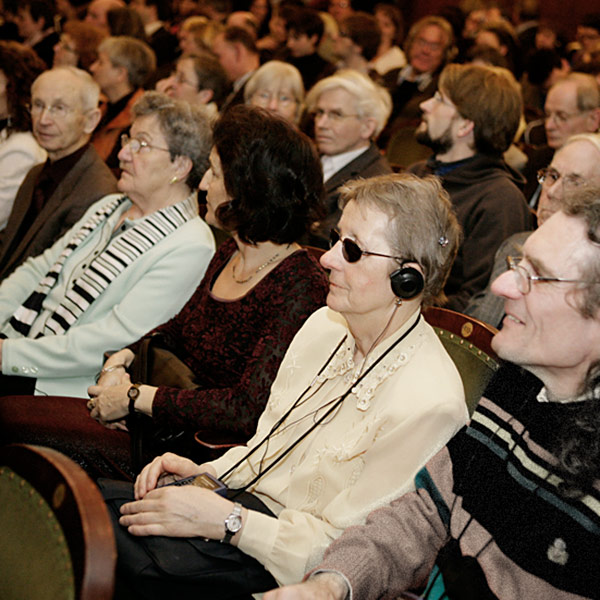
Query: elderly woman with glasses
{"x": 365, "y": 395}
{"x": 277, "y": 86}
{"x": 129, "y": 264}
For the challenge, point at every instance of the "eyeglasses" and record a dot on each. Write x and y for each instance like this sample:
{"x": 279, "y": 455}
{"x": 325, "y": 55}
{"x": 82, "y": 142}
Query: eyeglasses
{"x": 335, "y": 116}
{"x": 351, "y": 251}
{"x": 264, "y": 97}
{"x": 180, "y": 78}
{"x": 549, "y": 176}
{"x": 561, "y": 117}
{"x": 136, "y": 145}
{"x": 433, "y": 46}
{"x": 57, "y": 111}
{"x": 523, "y": 277}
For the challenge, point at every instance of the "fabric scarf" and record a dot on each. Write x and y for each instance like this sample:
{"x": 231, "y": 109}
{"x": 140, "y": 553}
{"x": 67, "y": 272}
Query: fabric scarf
{"x": 121, "y": 252}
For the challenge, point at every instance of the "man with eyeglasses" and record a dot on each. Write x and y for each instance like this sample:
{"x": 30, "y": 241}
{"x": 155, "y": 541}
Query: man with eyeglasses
{"x": 428, "y": 47}
{"x": 510, "y": 508}
{"x": 469, "y": 124}
{"x": 575, "y": 166}
{"x": 56, "y": 194}
{"x": 123, "y": 67}
{"x": 350, "y": 110}
{"x": 572, "y": 106}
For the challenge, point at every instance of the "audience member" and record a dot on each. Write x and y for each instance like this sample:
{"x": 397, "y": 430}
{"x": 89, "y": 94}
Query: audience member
{"x": 305, "y": 30}
{"x": 575, "y": 165}
{"x": 357, "y": 42}
{"x": 123, "y": 67}
{"x": 340, "y": 9}
{"x": 97, "y": 12}
{"x": 197, "y": 79}
{"x": 126, "y": 21}
{"x": 19, "y": 151}
{"x": 155, "y": 15}
{"x": 237, "y": 53}
{"x": 277, "y": 86}
{"x": 429, "y": 46}
{"x": 144, "y": 247}
{"x": 509, "y": 508}
{"x": 350, "y": 110}
{"x": 78, "y": 45}
{"x": 244, "y": 19}
{"x": 469, "y": 123}
{"x": 35, "y": 20}
{"x": 391, "y": 25}
{"x": 197, "y": 34}
{"x": 350, "y": 390}
{"x": 56, "y": 194}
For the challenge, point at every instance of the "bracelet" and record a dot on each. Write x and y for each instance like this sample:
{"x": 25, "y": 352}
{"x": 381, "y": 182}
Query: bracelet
{"x": 109, "y": 369}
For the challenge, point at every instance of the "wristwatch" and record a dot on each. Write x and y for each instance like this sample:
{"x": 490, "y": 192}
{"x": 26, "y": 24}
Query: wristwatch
{"x": 133, "y": 394}
{"x": 233, "y": 523}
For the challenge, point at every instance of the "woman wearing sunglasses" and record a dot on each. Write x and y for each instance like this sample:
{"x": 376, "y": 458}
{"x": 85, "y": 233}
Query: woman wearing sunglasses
{"x": 365, "y": 395}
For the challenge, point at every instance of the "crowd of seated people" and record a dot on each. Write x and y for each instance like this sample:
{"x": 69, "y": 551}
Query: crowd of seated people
{"x": 169, "y": 170}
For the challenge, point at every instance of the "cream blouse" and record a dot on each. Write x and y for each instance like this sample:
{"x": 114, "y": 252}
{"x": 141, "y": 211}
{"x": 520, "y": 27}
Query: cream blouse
{"x": 362, "y": 456}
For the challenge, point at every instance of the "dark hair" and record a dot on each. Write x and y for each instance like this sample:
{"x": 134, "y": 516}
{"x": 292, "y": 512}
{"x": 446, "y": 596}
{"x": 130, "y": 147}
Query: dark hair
{"x": 591, "y": 20}
{"x": 125, "y": 21}
{"x": 40, "y": 9}
{"x": 394, "y": 14}
{"x": 21, "y": 66}
{"x": 163, "y": 9}
{"x": 540, "y": 64}
{"x": 211, "y": 75}
{"x": 364, "y": 32}
{"x": 271, "y": 172}
{"x": 306, "y": 21}
{"x": 87, "y": 38}
{"x": 242, "y": 36}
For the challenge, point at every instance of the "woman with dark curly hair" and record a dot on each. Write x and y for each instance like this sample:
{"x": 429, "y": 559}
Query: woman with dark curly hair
{"x": 19, "y": 151}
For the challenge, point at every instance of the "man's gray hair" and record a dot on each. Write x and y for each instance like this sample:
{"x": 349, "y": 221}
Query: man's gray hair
{"x": 371, "y": 100}
{"x": 89, "y": 91}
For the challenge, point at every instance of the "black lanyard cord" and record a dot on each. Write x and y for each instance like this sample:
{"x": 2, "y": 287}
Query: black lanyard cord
{"x": 318, "y": 421}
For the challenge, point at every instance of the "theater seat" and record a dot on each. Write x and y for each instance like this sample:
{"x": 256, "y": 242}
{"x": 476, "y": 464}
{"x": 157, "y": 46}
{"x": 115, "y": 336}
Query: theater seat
{"x": 57, "y": 540}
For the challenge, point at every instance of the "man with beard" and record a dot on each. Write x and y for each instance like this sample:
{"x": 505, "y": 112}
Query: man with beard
{"x": 469, "y": 122}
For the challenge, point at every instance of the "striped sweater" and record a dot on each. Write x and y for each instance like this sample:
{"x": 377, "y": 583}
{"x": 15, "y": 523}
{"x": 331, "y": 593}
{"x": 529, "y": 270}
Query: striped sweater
{"x": 494, "y": 489}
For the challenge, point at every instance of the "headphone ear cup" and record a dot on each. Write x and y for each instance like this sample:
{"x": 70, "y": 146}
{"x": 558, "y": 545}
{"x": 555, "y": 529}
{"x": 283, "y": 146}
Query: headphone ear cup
{"x": 407, "y": 282}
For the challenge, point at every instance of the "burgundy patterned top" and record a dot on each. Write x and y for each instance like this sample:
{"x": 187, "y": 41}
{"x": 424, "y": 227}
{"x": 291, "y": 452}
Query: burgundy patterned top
{"x": 235, "y": 347}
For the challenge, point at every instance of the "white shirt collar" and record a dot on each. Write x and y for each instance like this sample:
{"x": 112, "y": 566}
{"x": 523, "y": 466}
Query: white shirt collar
{"x": 333, "y": 164}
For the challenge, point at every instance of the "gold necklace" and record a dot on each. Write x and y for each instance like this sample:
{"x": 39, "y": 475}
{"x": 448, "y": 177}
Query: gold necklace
{"x": 263, "y": 266}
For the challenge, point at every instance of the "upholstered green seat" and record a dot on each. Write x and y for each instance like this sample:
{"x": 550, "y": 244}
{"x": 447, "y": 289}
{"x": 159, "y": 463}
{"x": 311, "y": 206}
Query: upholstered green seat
{"x": 34, "y": 556}
{"x": 56, "y": 540}
{"x": 467, "y": 341}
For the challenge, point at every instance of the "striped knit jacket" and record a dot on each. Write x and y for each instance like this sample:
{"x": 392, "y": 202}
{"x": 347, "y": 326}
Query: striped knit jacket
{"x": 494, "y": 488}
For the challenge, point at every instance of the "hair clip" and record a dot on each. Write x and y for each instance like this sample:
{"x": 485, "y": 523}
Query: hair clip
{"x": 443, "y": 241}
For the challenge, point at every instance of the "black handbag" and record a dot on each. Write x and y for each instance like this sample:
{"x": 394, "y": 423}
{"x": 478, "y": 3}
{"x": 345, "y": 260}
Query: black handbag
{"x": 158, "y": 567}
{"x": 155, "y": 365}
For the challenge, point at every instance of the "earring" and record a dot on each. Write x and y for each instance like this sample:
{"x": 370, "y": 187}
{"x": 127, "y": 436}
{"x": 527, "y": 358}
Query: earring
{"x": 398, "y": 301}
{"x": 174, "y": 179}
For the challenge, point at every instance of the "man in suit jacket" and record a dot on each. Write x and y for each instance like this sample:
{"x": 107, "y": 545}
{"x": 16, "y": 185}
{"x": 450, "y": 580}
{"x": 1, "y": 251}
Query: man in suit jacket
{"x": 350, "y": 110}
{"x": 237, "y": 53}
{"x": 54, "y": 195}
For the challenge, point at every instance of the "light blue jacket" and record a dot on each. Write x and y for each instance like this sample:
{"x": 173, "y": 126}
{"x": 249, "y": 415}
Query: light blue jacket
{"x": 147, "y": 293}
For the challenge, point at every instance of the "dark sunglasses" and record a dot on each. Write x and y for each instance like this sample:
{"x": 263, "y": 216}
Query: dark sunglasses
{"x": 351, "y": 251}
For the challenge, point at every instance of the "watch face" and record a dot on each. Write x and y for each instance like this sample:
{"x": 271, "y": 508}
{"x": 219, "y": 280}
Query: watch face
{"x": 133, "y": 392}
{"x": 234, "y": 523}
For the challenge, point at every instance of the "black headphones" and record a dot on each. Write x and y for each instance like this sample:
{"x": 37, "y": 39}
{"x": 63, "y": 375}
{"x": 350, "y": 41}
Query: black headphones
{"x": 407, "y": 282}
